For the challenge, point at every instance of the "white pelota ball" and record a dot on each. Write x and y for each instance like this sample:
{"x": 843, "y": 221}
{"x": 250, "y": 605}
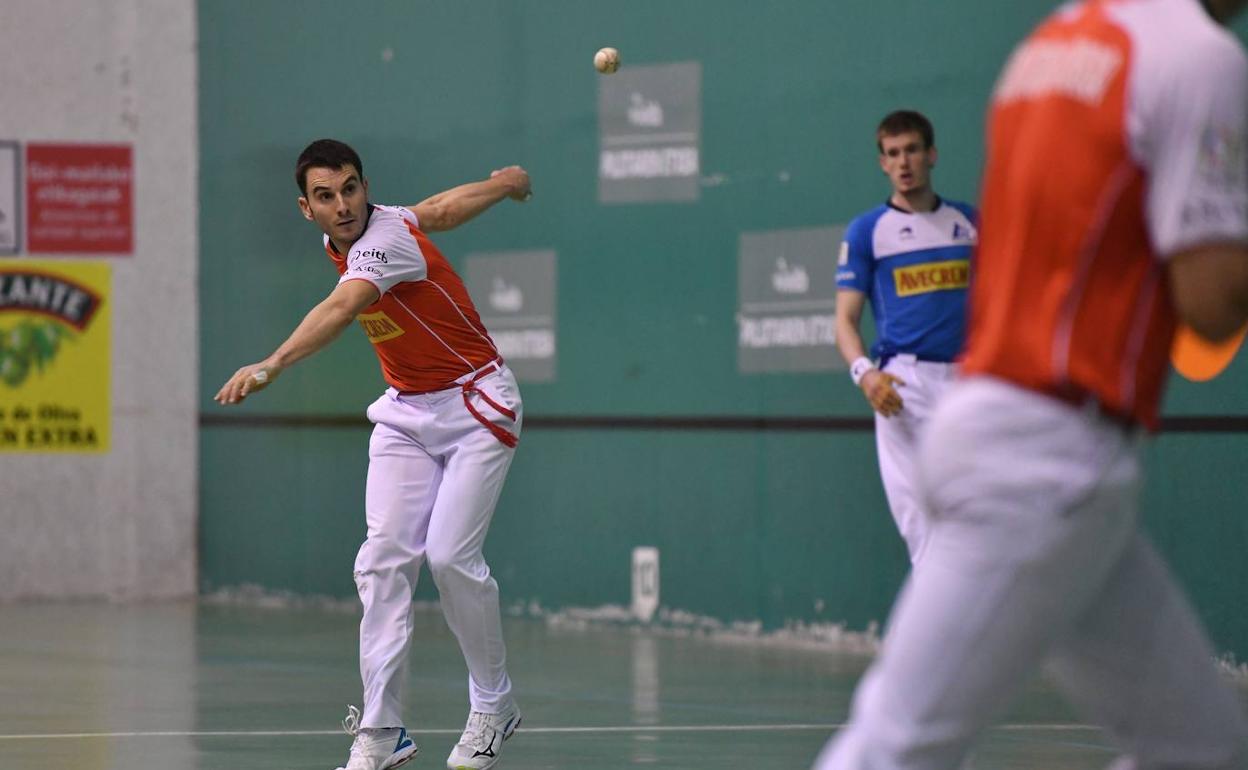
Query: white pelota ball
{"x": 607, "y": 60}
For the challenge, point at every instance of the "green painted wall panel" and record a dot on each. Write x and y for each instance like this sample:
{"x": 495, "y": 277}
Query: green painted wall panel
{"x": 1196, "y": 510}
{"x": 774, "y": 526}
{"x": 471, "y": 86}
{"x": 282, "y": 509}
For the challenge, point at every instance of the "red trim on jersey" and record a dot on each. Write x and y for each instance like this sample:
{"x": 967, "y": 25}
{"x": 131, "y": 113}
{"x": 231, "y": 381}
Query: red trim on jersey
{"x": 1088, "y": 253}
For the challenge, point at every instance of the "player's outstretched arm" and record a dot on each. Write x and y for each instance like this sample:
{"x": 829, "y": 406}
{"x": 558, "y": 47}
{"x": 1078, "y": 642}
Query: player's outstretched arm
{"x": 879, "y": 388}
{"x": 319, "y": 327}
{"x": 451, "y": 208}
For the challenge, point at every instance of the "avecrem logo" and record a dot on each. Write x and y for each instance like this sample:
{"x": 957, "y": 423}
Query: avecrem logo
{"x": 379, "y": 327}
{"x": 932, "y": 276}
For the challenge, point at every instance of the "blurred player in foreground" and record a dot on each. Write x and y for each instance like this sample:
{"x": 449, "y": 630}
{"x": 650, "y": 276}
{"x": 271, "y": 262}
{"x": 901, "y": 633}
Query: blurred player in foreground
{"x": 1115, "y": 203}
{"x": 444, "y": 436}
{"x": 912, "y": 257}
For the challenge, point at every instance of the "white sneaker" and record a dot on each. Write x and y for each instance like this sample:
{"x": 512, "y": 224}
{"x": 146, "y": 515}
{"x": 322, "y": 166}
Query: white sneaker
{"x": 376, "y": 749}
{"x": 483, "y": 738}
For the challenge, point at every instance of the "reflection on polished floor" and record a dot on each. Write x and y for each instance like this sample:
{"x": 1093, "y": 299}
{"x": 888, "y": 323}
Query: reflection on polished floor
{"x": 211, "y": 687}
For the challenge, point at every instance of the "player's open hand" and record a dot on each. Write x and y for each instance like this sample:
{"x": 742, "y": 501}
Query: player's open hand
{"x": 880, "y": 389}
{"x": 246, "y": 381}
{"x": 517, "y": 180}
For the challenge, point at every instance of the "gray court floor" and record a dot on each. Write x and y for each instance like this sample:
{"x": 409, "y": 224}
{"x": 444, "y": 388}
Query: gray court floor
{"x": 202, "y": 686}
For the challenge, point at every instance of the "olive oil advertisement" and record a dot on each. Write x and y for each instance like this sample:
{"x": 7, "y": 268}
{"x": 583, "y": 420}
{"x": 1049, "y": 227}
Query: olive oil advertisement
{"x": 55, "y": 351}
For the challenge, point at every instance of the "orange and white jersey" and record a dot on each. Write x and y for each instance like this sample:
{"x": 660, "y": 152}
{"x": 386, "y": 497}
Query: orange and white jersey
{"x": 424, "y": 328}
{"x": 1116, "y": 138}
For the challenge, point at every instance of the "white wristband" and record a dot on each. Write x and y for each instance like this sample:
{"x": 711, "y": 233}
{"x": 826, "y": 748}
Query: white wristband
{"x": 859, "y": 368}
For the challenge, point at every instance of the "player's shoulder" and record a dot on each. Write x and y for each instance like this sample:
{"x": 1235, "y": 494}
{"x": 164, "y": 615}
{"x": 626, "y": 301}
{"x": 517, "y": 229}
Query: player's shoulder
{"x": 388, "y": 224}
{"x": 387, "y": 236}
{"x": 964, "y": 208}
{"x": 387, "y": 215}
{"x": 1168, "y": 33}
{"x": 863, "y": 225}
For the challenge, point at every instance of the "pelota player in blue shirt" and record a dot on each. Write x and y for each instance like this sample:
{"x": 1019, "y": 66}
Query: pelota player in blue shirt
{"x": 911, "y": 258}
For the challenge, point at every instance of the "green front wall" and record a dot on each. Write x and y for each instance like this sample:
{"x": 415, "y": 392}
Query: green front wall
{"x": 766, "y": 525}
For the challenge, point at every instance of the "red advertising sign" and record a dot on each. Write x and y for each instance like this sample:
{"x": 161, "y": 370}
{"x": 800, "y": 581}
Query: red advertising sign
{"x": 79, "y": 198}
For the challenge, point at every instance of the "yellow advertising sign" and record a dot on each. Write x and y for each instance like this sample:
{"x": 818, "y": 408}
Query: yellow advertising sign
{"x": 54, "y": 356}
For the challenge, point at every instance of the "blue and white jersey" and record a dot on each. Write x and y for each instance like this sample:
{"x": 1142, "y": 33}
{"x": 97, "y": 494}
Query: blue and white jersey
{"x": 915, "y": 267}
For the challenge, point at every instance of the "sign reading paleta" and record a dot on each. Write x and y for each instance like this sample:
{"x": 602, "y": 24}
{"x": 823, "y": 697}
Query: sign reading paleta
{"x": 786, "y": 290}
{"x": 650, "y": 124}
{"x": 514, "y": 292}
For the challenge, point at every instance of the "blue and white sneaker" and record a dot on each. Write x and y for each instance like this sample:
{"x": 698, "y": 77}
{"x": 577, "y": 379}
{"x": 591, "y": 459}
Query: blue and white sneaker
{"x": 483, "y": 737}
{"x": 376, "y": 748}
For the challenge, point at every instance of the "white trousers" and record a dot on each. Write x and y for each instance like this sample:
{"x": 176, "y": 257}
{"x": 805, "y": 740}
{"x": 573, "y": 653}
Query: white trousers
{"x": 1034, "y": 556}
{"x": 897, "y": 443}
{"x": 434, "y": 476}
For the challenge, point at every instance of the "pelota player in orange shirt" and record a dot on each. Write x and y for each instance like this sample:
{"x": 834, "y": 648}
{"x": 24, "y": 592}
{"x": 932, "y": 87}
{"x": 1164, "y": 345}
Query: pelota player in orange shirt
{"x": 444, "y": 436}
{"x": 1115, "y": 203}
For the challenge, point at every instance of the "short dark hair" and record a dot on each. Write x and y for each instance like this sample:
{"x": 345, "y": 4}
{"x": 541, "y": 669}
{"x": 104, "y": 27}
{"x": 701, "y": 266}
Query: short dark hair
{"x": 326, "y": 153}
{"x": 903, "y": 121}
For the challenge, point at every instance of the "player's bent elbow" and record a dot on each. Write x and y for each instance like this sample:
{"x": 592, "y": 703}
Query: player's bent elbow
{"x": 1209, "y": 288}
{"x": 1215, "y": 314}
{"x": 1215, "y": 324}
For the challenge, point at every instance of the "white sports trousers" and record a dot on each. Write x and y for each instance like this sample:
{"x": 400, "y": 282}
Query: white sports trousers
{"x": 897, "y": 442}
{"x": 434, "y": 477}
{"x": 1034, "y": 556}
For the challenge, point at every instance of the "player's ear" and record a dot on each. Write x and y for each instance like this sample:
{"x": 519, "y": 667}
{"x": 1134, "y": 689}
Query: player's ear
{"x": 931, "y": 157}
{"x": 305, "y": 208}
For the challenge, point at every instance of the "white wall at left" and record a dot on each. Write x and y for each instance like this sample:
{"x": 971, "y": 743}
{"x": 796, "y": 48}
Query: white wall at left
{"x": 121, "y": 523}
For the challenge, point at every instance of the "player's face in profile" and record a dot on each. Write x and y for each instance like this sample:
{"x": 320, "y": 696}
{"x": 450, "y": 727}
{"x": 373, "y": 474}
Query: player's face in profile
{"x": 336, "y": 200}
{"x": 907, "y": 161}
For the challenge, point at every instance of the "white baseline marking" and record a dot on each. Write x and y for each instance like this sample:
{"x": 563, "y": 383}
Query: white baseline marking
{"x": 1037, "y": 727}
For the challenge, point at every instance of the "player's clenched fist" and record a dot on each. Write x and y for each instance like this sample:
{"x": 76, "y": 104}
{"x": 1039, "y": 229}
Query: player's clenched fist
{"x": 880, "y": 389}
{"x": 517, "y": 179}
{"x": 247, "y": 380}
